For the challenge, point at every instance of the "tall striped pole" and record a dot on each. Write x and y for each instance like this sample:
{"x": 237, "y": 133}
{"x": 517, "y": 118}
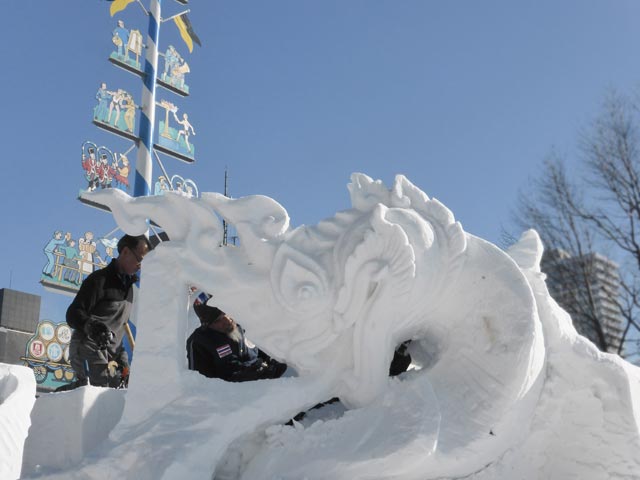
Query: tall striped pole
{"x": 144, "y": 161}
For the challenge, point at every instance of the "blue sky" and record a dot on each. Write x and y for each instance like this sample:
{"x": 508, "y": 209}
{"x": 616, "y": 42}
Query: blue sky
{"x": 463, "y": 97}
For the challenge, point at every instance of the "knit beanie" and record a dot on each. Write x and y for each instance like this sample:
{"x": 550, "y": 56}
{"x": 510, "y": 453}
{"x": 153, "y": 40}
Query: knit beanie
{"x": 207, "y": 314}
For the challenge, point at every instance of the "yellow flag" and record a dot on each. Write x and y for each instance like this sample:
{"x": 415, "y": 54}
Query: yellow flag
{"x": 118, "y": 5}
{"x": 183, "y": 33}
{"x": 186, "y": 31}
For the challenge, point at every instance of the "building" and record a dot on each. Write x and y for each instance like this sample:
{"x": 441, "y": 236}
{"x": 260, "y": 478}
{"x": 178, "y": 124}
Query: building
{"x": 19, "y": 315}
{"x": 587, "y": 287}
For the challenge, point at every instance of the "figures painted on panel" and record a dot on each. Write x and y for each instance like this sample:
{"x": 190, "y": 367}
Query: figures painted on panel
{"x": 104, "y": 168}
{"x": 89, "y": 164}
{"x": 110, "y": 248}
{"x": 161, "y": 186}
{"x": 101, "y": 110}
{"x": 185, "y": 187}
{"x": 116, "y": 109}
{"x": 70, "y": 272}
{"x": 87, "y": 250}
{"x": 171, "y": 60}
{"x": 175, "y": 68}
{"x": 49, "y": 249}
{"x": 121, "y": 39}
{"x": 47, "y": 353}
{"x": 129, "y": 107}
{"x": 127, "y": 42}
{"x": 122, "y": 172}
{"x": 186, "y": 126}
{"x": 70, "y": 261}
{"x": 177, "y": 184}
{"x": 114, "y": 106}
{"x": 175, "y": 141}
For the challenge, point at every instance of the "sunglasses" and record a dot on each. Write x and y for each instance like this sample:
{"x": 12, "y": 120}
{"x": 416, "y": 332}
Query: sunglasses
{"x": 138, "y": 257}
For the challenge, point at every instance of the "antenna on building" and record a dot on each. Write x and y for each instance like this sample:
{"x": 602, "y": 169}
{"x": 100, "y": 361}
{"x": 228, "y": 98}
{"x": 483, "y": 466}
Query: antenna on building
{"x": 224, "y": 222}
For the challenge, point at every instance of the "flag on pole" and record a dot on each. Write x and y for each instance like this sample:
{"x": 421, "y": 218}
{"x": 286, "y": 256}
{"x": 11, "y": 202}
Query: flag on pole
{"x": 186, "y": 31}
{"x": 118, "y": 5}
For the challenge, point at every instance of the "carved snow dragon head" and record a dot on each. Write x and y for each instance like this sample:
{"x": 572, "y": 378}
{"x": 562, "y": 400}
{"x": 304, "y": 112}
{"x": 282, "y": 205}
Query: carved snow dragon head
{"x": 356, "y": 284}
{"x": 334, "y": 300}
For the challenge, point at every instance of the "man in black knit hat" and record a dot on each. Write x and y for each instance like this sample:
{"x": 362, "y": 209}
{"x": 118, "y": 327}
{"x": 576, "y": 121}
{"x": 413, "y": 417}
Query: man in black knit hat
{"x": 218, "y": 348}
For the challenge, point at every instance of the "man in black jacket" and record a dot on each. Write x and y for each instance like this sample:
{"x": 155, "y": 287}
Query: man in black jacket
{"x": 218, "y": 349}
{"x": 99, "y": 314}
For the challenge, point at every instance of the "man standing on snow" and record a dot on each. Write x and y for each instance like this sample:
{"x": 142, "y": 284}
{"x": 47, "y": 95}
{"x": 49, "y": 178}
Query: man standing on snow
{"x": 218, "y": 348}
{"x": 99, "y": 315}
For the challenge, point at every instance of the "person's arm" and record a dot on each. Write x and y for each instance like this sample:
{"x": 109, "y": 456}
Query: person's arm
{"x": 263, "y": 355}
{"x": 79, "y": 312}
{"x": 273, "y": 368}
{"x": 261, "y": 367}
{"x": 228, "y": 366}
{"x": 121, "y": 356}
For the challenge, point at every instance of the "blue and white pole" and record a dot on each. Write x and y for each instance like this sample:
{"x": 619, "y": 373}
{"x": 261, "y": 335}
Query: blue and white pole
{"x": 144, "y": 161}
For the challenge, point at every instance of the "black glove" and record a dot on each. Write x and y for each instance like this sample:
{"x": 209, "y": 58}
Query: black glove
{"x": 275, "y": 369}
{"x": 246, "y": 373}
{"x": 258, "y": 369}
{"x": 99, "y": 333}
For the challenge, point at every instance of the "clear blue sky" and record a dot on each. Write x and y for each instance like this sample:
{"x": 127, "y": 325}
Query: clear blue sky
{"x": 464, "y": 97}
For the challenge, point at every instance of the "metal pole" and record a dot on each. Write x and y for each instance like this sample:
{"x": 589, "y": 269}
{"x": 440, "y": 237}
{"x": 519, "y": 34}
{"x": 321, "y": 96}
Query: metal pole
{"x": 144, "y": 163}
{"x": 224, "y": 222}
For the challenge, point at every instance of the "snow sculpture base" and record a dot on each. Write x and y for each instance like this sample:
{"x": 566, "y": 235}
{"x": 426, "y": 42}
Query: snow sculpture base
{"x": 17, "y": 395}
{"x": 70, "y": 425}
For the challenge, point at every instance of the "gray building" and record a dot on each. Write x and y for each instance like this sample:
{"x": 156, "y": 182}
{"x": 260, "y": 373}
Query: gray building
{"x": 19, "y": 315}
{"x": 587, "y": 287}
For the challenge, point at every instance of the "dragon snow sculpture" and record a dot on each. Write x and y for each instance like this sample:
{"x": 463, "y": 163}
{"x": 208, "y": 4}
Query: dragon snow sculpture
{"x": 334, "y": 300}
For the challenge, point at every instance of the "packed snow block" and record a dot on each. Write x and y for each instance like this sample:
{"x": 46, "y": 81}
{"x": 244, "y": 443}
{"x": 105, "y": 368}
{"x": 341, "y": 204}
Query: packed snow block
{"x": 68, "y": 425}
{"x": 17, "y": 396}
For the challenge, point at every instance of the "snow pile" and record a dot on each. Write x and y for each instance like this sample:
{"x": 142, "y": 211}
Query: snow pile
{"x": 501, "y": 387}
{"x": 587, "y": 422}
{"x": 71, "y": 425}
{"x": 17, "y": 395}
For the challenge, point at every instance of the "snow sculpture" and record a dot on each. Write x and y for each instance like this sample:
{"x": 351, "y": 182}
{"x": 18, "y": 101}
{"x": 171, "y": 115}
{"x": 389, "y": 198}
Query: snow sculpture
{"x": 17, "y": 396}
{"x": 504, "y": 386}
{"x": 333, "y": 301}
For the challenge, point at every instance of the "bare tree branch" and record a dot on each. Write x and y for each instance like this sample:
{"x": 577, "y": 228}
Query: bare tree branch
{"x": 598, "y": 211}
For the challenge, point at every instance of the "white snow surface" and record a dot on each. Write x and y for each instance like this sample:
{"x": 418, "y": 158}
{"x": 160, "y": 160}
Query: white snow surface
{"x": 501, "y": 386}
{"x": 17, "y": 396}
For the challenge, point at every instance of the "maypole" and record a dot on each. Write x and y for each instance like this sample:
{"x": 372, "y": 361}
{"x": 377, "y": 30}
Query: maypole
{"x": 144, "y": 162}
{"x": 175, "y": 132}
{"x": 70, "y": 259}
